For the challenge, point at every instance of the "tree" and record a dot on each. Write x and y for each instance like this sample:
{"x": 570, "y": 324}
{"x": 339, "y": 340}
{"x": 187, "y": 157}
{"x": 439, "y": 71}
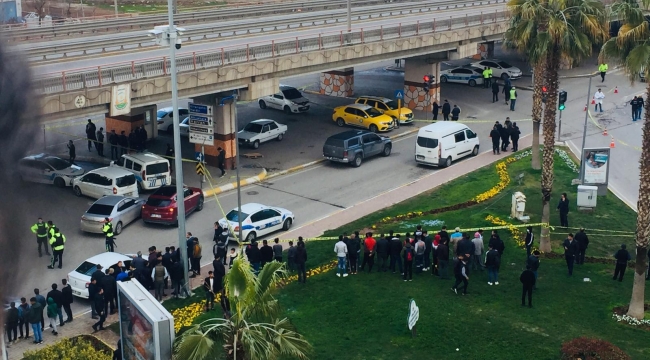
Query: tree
{"x": 558, "y": 28}
{"x": 253, "y": 331}
{"x": 39, "y": 6}
{"x": 631, "y": 47}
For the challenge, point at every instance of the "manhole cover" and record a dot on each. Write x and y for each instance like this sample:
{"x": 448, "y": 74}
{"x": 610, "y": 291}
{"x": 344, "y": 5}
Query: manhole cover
{"x": 252, "y": 193}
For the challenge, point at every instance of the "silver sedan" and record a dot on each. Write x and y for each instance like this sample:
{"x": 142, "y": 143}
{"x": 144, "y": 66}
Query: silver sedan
{"x": 121, "y": 210}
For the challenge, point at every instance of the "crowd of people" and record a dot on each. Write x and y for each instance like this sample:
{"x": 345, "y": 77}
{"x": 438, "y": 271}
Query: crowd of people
{"x": 505, "y": 134}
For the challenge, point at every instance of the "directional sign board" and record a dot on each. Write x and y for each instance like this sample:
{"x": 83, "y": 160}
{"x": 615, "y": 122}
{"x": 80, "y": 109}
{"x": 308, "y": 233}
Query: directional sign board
{"x": 399, "y": 94}
{"x": 198, "y": 156}
{"x": 200, "y": 120}
{"x": 203, "y": 139}
{"x": 200, "y": 109}
{"x": 202, "y": 130}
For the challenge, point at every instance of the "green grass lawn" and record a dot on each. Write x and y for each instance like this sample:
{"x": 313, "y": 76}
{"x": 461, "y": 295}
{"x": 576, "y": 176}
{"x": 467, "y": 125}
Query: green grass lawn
{"x": 143, "y": 8}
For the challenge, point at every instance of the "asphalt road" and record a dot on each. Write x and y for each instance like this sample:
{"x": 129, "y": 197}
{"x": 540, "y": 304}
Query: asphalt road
{"x": 258, "y": 39}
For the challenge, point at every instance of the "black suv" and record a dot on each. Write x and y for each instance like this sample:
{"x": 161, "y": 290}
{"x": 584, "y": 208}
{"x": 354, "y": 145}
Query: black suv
{"x": 353, "y": 146}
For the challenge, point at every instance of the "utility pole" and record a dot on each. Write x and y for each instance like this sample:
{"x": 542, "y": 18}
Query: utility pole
{"x": 584, "y": 133}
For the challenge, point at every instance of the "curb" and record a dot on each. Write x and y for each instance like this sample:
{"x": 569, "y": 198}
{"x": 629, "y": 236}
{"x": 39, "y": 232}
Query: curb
{"x": 311, "y": 92}
{"x": 251, "y": 180}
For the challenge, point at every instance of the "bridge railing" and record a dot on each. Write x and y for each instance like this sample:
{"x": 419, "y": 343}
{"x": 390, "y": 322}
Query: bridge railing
{"x": 91, "y": 77}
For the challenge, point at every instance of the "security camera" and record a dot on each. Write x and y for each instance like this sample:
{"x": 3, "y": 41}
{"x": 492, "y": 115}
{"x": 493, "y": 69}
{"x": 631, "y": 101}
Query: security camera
{"x": 178, "y": 43}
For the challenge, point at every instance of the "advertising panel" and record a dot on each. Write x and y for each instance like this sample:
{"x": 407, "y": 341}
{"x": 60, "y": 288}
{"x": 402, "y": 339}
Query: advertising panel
{"x": 121, "y": 100}
{"x": 596, "y": 168}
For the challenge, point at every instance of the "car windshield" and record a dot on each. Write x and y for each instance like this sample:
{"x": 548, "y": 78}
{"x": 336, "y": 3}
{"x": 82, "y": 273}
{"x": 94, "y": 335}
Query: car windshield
{"x": 158, "y": 202}
{"x": 125, "y": 180}
{"x": 56, "y": 163}
{"x": 253, "y": 128}
{"x": 372, "y": 112}
{"x": 157, "y": 168}
{"x": 392, "y": 105}
{"x": 504, "y": 65}
{"x": 161, "y": 113}
{"x": 100, "y": 209}
{"x": 291, "y": 94}
{"x": 232, "y": 216}
{"x": 87, "y": 268}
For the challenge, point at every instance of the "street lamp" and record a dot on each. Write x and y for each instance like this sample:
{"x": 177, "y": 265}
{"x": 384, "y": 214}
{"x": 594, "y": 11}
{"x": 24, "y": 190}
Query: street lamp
{"x": 349, "y": 15}
{"x": 168, "y": 35}
{"x": 584, "y": 132}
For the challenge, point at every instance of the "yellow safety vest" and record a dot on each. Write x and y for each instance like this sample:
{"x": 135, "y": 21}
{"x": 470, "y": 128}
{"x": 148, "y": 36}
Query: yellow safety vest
{"x": 54, "y": 239}
{"x": 107, "y": 229}
{"x": 513, "y": 94}
{"x": 490, "y": 72}
{"x": 39, "y": 229}
{"x": 486, "y": 73}
{"x": 602, "y": 67}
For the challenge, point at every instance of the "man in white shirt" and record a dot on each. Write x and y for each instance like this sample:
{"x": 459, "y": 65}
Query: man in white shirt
{"x": 598, "y": 97}
{"x": 341, "y": 251}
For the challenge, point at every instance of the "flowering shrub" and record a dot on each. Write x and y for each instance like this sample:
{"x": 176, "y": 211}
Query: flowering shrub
{"x": 585, "y": 348}
{"x": 77, "y": 348}
{"x": 567, "y": 160}
{"x": 504, "y": 180}
{"x": 630, "y": 320}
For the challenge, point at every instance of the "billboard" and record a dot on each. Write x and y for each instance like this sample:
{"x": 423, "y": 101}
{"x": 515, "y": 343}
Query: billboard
{"x": 596, "y": 166}
{"x": 146, "y": 327}
{"x": 120, "y": 100}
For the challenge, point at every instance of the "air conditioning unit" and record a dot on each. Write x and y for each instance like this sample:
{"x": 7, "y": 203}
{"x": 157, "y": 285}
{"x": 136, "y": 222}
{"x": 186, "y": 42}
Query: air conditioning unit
{"x": 587, "y": 196}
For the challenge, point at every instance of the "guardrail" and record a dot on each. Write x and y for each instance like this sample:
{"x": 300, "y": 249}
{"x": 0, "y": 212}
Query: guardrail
{"x": 82, "y": 46}
{"x": 59, "y": 29}
{"x": 93, "y": 77}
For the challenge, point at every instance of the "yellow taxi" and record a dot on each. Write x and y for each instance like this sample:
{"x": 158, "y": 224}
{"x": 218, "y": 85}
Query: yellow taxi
{"x": 363, "y": 116}
{"x": 388, "y": 107}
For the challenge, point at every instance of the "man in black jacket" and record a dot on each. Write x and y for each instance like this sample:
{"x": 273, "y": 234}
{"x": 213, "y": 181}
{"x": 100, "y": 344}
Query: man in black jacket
{"x": 495, "y": 91}
{"x": 255, "y": 256}
{"x": 514, "y": 136}
{"x": 90, "y": 134}
{"x": 527, "y": 279}
{"x": 533, "y": 263}
{"x": 495, "y": 136}
{"x": 622, "y": 257}
{"x": 570, "y": 251}
{"x": 67, "y": 299}
{"x": 428, "y": 242}
{"x": 221, "y": 161}
{"x": 530, "y": 239}
{"x": 100, "y": 306}
{"x": 114, "y": 140}
{"x": 109, "y": 284}
{"x": 57, "y": 296}
{"x": 395, "y": 254}
{"x": 266, "y": 253}
{"x": 443, "y": 258}
{"x": 492, "y": 263}
{"x": 446, "y": 110}
{"x": 354, "y": 247}
{"x": 504, "y": 131}
{"x": 583, "y": 243}
{"x": 97, "y": 274}
{"x": 123, "y": 141}
{"x": 382, "y": 253}
{"x": 93, "y": 289}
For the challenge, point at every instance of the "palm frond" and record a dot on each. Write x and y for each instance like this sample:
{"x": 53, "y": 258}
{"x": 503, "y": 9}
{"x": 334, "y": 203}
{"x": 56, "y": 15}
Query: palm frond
{"x": 197, "y": 344}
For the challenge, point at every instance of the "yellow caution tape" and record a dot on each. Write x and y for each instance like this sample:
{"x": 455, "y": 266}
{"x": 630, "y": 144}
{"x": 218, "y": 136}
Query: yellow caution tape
{"x": 468, "y": 121}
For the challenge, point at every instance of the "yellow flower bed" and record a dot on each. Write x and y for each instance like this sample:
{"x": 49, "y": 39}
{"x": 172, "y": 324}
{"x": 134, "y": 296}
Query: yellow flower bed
{"x": 517, "y": 234}
{"x": 504, "y": 180}
{"x": 67, "y": 349}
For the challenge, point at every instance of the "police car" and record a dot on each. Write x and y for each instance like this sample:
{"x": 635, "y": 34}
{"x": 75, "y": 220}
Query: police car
{"x": 48, "y": 169}
{"x": 463, "y": 75}
{"x": 257, "y": 220}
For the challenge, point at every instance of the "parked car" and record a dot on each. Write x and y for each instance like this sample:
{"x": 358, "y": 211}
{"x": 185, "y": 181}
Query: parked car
{"x": 257, "y": 220}
{"x": 79, "y": 278}
{"x": 463, "y": 75}
{"x": 500, "y": 69}
{"x": 443, "y": 142}
{"x": 363, "y": 116}
{"x": 354, "y": 146}
{"x": 151, "y": 171}
{"x": 48, "y": 169}
{"x": 106, "y": 181}
{"x": 289, "y": 100}
{"x": 388, "y": 107}
{"x": 121, "y": 210}
{"x": 259, "y": 131}
{"x": 161, "y": 206}
{"x": 166, "y": 120}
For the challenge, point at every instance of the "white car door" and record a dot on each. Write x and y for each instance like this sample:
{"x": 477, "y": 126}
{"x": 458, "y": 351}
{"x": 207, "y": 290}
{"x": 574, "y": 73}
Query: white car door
{"x": 266, "y": 133}
{"x": 88, "y": 185}
{"x": 257, "y": 221}
{"x": 104, "y": 187}
{"x": 275, "y": 219}
{"x": 278, "y": 101}
{"x": 127, "y": 208}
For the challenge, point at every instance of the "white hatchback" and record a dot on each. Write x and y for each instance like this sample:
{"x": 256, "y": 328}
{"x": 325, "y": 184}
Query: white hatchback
{"x": 79, "y": 279}
{"x": 106, "y": 181}
{"x": 257, "y": 220}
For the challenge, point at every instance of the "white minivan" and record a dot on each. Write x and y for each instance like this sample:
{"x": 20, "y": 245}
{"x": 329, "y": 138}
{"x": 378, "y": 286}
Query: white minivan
{"x": 106, "y": 181}
{"x": 441, "y": 143}
{"x": 151, "y": 171}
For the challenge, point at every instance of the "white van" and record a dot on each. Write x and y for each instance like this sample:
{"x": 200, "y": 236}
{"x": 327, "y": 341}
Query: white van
{"x": 106, "y": 181}
{"x": 443, "y": 142}
{"x": 151, "y": 171}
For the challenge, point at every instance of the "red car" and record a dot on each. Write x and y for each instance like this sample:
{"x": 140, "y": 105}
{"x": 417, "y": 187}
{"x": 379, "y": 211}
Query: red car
{"x": 161, "y": 205}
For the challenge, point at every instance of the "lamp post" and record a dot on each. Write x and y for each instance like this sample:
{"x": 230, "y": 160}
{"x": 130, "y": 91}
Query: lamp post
{"x": 584, "y": 133}
{"x": 349, "y": 15}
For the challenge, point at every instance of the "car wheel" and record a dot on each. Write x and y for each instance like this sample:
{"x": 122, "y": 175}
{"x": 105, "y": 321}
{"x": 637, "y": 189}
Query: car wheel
{"x": 475, "y": 151}
{"x": 504, "y": 76}
{"x": 77, "y": 191}
{"x": 280, "y": 137}
{"x": 472, "y": 83}
{"x": 387, "y": 150}
{"x": 448, "y": 162}
{"x": 287, "y": 224}
{"x": 199, "y": 206}
{"x": 262, "y": 104}
{"x": 340, "y": 122}
{"x": 251, "y": 237}
{"x": 118, "y": 228}
{"x": 256, "y": 144}
{"x": 357, "y": 160}
{"x": 443, "y": 79}
{"x": 58, "y": 182}
{"x": 287, "y": 110}
{"x": 170, "y": 128}
{"x": 373, "y": 128}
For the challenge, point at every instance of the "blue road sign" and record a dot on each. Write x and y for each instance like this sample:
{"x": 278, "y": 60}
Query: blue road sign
{"x": 200, "y": 109}
{"x": 399, "y": 94}
{"x": 198, "y": 156}
{"x": 200, "y": 120}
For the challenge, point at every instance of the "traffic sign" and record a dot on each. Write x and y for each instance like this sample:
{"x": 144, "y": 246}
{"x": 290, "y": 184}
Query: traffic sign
{"x": 198, "y": 156}
{"x": 200, "y": 109}
{"x": 399, "y": 94}
{"x": 200, "y": 169}
{"x": 200, "y": 120}
{"x": 201, "y": 129}
{"x": 204, "y": 139}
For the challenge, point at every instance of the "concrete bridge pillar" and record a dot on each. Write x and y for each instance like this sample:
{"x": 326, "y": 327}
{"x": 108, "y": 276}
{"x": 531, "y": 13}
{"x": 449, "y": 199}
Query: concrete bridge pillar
{"x": 224, "y": 128}
{"x": 415, "y": 69}
{"x": 337, "y": 82}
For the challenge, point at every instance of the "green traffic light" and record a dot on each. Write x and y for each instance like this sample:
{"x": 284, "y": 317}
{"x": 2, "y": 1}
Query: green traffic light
{"x": 561, "y": 107}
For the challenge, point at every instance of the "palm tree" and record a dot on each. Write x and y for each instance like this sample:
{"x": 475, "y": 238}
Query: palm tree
{"x": 253, "y": 331}
{"x": 631, "y": 47}
{"x": 556, "y": 28}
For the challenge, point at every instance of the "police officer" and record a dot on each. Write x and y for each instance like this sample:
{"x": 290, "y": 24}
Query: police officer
{"x": 603, "y": 71}
{"x": 40, "y": 229}
{"x": 107, "y": 229}
{"x": 486, "y": 77}
{"x": 50, "y": 231}
{"x": 57, "y": 241}
{"x": 513, "y": 98}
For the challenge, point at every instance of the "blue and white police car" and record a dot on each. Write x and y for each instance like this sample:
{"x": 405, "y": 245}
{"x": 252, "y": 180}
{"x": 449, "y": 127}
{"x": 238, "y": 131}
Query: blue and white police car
{"x": 48, "y": 169}
{"x": 257, "y": 220}
{"x": 469, "y": 75}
